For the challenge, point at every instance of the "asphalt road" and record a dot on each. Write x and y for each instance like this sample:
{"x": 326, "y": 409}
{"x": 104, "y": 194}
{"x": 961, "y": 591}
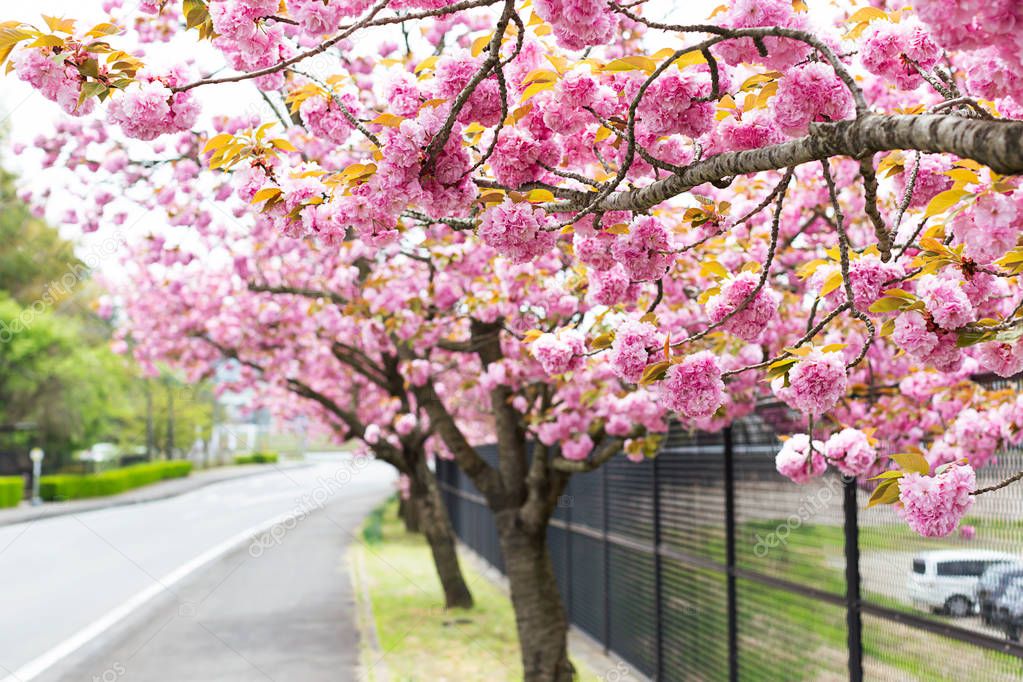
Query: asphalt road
{"x": 178, "y": 589}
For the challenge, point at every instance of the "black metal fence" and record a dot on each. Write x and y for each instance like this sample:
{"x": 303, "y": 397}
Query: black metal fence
{"x": 705, "y": 564}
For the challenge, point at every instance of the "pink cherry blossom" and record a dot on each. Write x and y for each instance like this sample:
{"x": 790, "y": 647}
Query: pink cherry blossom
{"x": 752, "y": 320}
{"x": 934, "y": 505}
{"x": 850, "y": 451}
{"x": 693, "y": 387}
{"x": 796, "y": 462}
{"x": 817, "y": 381}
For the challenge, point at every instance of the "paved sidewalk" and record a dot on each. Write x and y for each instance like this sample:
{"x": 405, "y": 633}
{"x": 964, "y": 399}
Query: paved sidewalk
{"x": 157, "y": 491}
{"x": 279, "y": 613}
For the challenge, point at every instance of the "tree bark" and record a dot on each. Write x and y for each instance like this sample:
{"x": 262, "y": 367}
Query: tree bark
{"x": 539, "y": 614}
{"x": 436, "y": 526}
{"x": 408, "y": 512}
{"x": 996, "y": 144}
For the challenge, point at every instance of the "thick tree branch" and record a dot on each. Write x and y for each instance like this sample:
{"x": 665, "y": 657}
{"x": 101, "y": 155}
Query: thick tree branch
{"x": 996, "y": 144}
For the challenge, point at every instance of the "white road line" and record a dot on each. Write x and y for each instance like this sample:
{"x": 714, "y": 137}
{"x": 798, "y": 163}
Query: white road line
{"x": 37, "y": 666}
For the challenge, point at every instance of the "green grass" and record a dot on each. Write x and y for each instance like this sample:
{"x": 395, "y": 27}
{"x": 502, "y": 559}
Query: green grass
{"x": 11, "y": 490}
{"x": 257, "y": 458}
{"x": 75, "y": 486}
{"x": 419, "y": 639}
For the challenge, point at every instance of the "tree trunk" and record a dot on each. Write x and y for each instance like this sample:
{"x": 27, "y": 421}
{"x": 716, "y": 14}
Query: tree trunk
{"x": 408, "y": 512}
{"x": 435, "y": 524}
{"x": 539, "y": 614}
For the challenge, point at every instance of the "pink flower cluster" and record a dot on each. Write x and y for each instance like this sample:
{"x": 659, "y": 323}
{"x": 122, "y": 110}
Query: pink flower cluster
{"x": 750, "y": 322}
{"x": 749, "y": 130}
{"x": 152, "y": 109}
{"x": 796, "y": 462}
{"x": 946, "y": 301}
{"x": 517, "y": 157}
{"x": 693, "y": 387}
{"x": 611, "y": 286}
{"x": 808, "y": 93}
{"x": 630, "y": 350}
{"x": 453, "y": 74}
{"x": 990, "y": 229}
{"x": 578, "y": 24}
{"x": 560, "y": 353}
{"x": 930, "y": 179}
{"x": 933, "y": 506}
{"x": 247, "y": 40}
{"x": 1004, "y": 359}
{"x": 645, "y": 251}
{"x": 890, "y": 50}
{"x": 868, "y": 276}
{"x": 851, "y": 452}
{"x": 816, "y": 382}
{"x": 319, "y": 18}
{"x": 517, "y": 231}
{"x": 781, "y": 52}
{"x": 325, "y": 118}
{"x": 915, "y": 335}
{"x": 577, "y": 448}
{"x": 58, "y": 82}
{"x": 671, "y": 105}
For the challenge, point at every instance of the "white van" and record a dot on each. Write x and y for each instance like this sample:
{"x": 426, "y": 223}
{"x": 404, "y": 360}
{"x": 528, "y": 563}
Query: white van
{"x": 946, "y": 580}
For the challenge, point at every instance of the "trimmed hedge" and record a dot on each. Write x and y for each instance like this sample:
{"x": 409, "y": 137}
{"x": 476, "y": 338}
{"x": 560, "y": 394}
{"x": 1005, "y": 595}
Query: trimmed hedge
{"x": 74, "y": 486}
{"x": 257, "y": 458}
{"x": 11, "y": 490}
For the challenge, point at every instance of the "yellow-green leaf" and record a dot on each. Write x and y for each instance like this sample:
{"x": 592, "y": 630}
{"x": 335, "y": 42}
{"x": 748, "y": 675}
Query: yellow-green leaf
{"x": 944, "y": 201}
{"x": 912, "y": 462}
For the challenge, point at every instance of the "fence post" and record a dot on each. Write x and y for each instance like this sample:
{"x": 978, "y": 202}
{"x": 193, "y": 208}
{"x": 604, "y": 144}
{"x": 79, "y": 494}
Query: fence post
{"x": 853, "y": 620}
{"x": 658, "y": 580}
{"x": 732, "y": 606}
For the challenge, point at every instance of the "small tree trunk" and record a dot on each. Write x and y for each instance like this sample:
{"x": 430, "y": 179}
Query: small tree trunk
{"x": 408, "y": 512}
{"x": 539, "y": 614}
{"x": 434, "y": 521}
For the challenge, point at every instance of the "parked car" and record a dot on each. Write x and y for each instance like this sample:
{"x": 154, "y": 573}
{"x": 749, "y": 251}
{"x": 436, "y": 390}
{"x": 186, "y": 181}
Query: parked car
{"x": 991, "y": 587}
{"x": 946, "y": 580}
{"x": 1009, "y": 609}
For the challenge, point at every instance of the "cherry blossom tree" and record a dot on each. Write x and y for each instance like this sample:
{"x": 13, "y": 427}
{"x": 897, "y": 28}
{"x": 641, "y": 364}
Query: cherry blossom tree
{"x": 286, "y": 340}
{"x": 557, "y": 233}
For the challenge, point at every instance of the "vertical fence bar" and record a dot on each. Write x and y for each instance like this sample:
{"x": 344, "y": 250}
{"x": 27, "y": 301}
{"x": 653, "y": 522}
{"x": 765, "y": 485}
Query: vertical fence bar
{"x": 658, "y": 579}
{"x": 733, "y": 611}
{"x": 853, "y": 620}
{"x": 607, "y": 563}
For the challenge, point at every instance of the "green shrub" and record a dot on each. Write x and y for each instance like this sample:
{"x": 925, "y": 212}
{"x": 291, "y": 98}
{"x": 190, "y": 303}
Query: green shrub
{"x": 75, "y": 487}
{"x": 257, "y": 458}
{"x": 373, "y": 531}
{"x": 11, "y": 490}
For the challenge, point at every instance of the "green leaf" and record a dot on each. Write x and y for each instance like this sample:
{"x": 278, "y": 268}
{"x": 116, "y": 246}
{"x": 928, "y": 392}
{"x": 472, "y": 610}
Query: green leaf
{"x": 888, "y": 304}
{"x": 944, "y": 201}
{"x": 654, "y": 372}
{"x": 912, "y": 462}
{"x": 885, "y": 493}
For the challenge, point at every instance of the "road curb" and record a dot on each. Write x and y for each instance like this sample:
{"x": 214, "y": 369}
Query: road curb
{"x": 112, "y": 503}
{"x": 372, "y": 666}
